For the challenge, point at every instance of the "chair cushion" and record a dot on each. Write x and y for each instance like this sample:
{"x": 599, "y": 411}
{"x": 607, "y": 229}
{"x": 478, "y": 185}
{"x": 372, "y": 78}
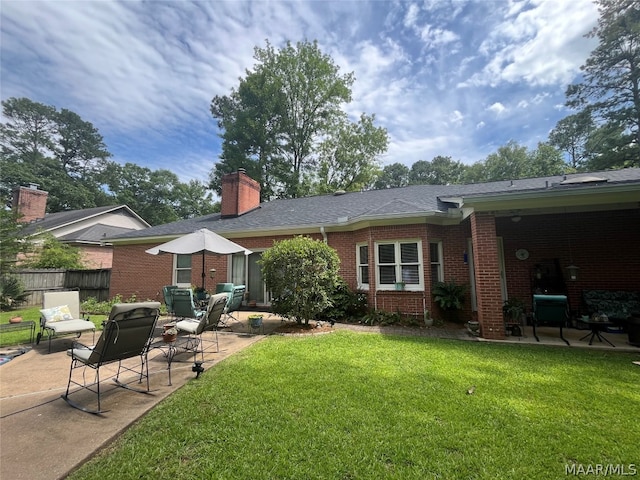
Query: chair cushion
{"x": 56, "y": 314}
{"x": 70, "y": 326}
{"x": 189, "y": 326}
{"x": 81, "y": 353}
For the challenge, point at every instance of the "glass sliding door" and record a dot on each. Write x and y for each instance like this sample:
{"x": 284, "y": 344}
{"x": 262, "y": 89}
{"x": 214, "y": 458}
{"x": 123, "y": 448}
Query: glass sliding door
{"x": 256, "y": 286}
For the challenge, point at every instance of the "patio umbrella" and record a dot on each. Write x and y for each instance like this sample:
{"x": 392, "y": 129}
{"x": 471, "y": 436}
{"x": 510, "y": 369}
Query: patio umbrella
{"x": 201, "y": 241}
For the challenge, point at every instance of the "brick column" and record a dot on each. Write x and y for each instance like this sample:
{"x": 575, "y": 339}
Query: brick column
{"x": 487, "y": 276}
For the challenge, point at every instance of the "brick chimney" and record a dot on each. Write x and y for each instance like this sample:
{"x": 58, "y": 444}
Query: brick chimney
{"x": 30, "y": 202}
{"x": 240, "y": 194}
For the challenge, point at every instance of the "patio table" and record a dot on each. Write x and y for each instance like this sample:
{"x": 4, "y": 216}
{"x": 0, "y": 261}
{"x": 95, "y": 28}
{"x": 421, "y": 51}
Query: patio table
{"x": 596, "y": 326}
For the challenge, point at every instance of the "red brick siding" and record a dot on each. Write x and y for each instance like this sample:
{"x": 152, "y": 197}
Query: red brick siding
{"x": 97, "y": 257}
{"x": 30, "y": 203}
{"x": 605, "y": 245}
{"x": 240, "y": 194}
{"x": 487, "y": 275}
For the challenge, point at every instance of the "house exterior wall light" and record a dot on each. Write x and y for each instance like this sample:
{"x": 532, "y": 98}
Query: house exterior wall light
{"x": 573, "y": 272}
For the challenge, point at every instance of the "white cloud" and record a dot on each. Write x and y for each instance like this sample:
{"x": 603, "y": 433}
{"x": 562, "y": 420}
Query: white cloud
{"x": 145, "y": 74}
{"x": 497, "y": 108}
{"x": 542, "y": 45}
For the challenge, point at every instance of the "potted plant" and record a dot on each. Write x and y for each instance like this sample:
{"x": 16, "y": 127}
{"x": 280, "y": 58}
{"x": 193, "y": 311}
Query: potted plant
{"x": 513, "y": 310}
{"x": 450, "y": 297}
{"x": 255, "y": 320}
{"x": 428, "y": 321}
{"x": 400, "y": 285}
{"x": 170, "y": 334}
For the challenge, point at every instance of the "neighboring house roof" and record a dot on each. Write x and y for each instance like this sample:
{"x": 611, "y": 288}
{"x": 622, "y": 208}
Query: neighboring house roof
{"x": 87, "y": 232}
{"x": 93, "y": 234}
{"x": 440, "y": 203}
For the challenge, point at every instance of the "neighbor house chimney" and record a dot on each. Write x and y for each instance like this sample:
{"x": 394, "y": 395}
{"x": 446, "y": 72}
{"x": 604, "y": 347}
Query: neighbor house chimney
{"x": 30, "y": 203}
{"x": 240, "y": 194}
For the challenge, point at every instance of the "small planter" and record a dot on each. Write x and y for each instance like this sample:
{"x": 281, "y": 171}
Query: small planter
{"x": 255, "y": 321}
{"x": 15, "y": 320}
{"x": 399, "y": 286}
{"x": 474, "y": 328}
{"x": 170, "y": 334}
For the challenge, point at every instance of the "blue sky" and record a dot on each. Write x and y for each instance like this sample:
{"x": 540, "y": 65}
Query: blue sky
{"x": 455, "y": 78}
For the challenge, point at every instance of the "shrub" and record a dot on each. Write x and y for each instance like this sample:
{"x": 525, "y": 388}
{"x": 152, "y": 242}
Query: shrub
{"x": 92, "y": 305}
{"x": 301, "y": 274}
{"x": 347, "y": 305}
{"x": 12, "y": 292}
{"x": 449, "y": 296}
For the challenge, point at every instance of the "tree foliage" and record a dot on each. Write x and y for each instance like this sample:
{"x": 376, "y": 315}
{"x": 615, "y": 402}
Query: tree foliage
{"x": 55, "y": 149}
{"x": 392, "y": 176}
{"x": 284, "y": 125}
{"x": 157, "y": 195}
{"x": 610, "y": 88}
{"x": 513, "y": 161}
{"x": 348, "y": 157}
{"x": 52, "y": 253}
{"x": 301, "y": 274}
{"x": 439, "y": 171}
{"x": 66, "y": 156}
{"x": 13, "y": 244}
{"x": 571, "y": 135}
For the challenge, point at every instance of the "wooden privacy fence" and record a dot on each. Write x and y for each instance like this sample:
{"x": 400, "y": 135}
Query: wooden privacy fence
{"x": 90, "y": 283}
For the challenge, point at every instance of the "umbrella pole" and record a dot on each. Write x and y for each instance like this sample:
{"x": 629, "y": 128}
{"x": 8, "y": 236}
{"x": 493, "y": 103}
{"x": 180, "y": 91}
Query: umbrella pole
{"x": 203, "y": 274}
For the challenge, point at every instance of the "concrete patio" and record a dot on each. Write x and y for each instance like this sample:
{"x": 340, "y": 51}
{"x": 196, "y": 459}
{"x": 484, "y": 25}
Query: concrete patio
{"x": 42, "y": 438}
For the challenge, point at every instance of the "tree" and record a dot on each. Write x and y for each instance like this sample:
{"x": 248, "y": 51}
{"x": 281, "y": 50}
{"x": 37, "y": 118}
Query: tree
{"x": 545, "y": 160}
{"x": 439, "y": 171}
{"x": 280, "y": 122}
{"x": 13, "y": 244}
{"x": 348, "y": 157}
{"x": 393, "y": 176}
{"x": 513, "y": 161}
{"x": 157, "y": 195}
{"x": 52, "y": 253}
{"x": 571, "y": 135}
{"x": 610, "y": 88}
{"x": 57, "y": 150}
{"x": 301, "y": 274}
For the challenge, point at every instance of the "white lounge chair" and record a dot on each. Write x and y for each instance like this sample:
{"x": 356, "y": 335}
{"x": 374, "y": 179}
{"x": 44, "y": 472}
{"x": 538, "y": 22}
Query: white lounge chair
{"x": 60, "y": 315}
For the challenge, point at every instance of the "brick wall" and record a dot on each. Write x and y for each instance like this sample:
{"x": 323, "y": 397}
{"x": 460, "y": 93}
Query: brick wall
{"x": 605, "y": 245}
{"x": 30, "y": 202}
{"x": 240, "y": 194}
{"x": 487, "y": 276}
{"x": 97, "y": 257}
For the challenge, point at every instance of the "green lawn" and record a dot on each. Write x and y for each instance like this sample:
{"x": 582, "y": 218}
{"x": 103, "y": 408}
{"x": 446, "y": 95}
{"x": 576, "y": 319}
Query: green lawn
{"x": 353, "y": 406}
{"x": 21, "y": 337}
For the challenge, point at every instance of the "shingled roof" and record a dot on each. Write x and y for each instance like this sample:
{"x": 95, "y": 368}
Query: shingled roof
{"x": 53, "y": 221}
{"x": 406, "y": 202}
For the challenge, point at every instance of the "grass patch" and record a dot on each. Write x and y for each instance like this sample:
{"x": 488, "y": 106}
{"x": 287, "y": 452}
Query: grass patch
{"x": 20, "y": 337}
{"x": 350, "y": 406}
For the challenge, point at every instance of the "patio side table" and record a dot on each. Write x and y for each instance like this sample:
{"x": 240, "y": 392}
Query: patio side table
{"x": 595, "y": 327}
{"x": 24, "y": 325}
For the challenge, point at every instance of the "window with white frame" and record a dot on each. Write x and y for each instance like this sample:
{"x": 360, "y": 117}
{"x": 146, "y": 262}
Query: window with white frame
{"x": 435, "y": 256}
{"x": 399, "y": 261}
{"x": 182, "y": 270}
{"x": 362, "y": 259}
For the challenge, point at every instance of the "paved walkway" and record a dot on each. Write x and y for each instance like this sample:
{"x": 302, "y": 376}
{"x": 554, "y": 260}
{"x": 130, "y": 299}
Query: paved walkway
{"x": 42, "y": 438}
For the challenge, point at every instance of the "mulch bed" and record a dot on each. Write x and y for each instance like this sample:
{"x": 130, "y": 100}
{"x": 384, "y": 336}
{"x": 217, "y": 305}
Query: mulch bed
{"x": 294, "y": 328}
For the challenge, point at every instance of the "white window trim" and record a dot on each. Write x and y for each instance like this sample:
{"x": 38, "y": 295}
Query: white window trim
{"x": 440, "y": 263}
{"x": 361, "y": 285}
{"x": 175, "y": 272}
{"x": 392, "y": 286}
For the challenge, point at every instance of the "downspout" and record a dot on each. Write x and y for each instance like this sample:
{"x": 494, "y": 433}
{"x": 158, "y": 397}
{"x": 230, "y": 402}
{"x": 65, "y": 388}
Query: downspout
{"x": 324, "y": 234}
